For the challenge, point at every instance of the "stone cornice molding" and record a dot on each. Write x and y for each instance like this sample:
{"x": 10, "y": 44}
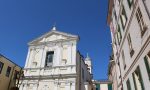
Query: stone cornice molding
{"x": 54, "y": 43}
{"x": 50, "y": 67}
{"x": 56, "y": 76}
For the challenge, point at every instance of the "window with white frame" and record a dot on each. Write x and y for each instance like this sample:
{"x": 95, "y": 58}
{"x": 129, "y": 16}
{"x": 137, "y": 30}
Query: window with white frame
{"x": 147, "y": 64}
{"x": 128, "y": 84}
{"x": 123, "y": 59}
{"x": 130, "y": 45}
{"x": 115, "y": 15}
{"x": 137, "y": 78}
{"x": 130, "y": 3}
{"x": 139, "y": 16}
{"x": 119, "y": 36}
{"x": 123, "y": 17}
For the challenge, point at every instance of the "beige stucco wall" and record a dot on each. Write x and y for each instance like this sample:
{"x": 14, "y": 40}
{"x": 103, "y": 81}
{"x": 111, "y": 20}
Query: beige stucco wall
{"x": 141, "y": 45}
{"x": 5, "y": 81}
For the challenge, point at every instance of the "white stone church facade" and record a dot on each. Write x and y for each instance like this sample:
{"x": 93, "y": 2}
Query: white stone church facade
{"x": 53, "y": 63}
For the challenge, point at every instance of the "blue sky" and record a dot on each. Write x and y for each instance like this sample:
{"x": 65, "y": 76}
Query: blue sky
{"x": 24, "y": 20}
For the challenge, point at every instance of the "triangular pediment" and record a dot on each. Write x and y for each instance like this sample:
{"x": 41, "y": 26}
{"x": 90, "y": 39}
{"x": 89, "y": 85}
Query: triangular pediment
{"x": 54, "y": 36}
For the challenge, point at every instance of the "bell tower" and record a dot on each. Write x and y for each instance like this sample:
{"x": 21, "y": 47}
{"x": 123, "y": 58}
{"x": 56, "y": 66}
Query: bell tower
{"x": 89, "y": 63}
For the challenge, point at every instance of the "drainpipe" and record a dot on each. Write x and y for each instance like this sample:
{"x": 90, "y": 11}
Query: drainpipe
{"x": 145, "y": 6}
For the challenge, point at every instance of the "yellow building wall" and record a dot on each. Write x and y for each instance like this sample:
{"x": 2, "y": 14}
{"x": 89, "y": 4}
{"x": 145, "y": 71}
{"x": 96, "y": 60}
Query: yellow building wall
{"x": 7, "y": 82}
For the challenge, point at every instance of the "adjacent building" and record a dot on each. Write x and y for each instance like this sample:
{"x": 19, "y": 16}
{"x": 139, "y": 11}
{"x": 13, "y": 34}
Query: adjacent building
{"x": 129, "y": 22}
{"x": 103, "y": 85}
{"x": 54, "y": 63}
{"x": 9, "y": 74}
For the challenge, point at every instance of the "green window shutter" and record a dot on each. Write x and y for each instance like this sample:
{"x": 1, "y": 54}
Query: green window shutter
{"x": 109, "y": 86}
{"x": 97, "y": 86}
{"x": 147, "y": 66}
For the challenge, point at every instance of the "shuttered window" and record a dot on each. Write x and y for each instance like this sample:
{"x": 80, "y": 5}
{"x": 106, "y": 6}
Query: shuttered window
{"x": 141, "y": 22}
{"x": 137, "y": 78}
{"x": 123, "y": 17}
{"x": 147, "y": 64}
{"x": 128, "y": 85}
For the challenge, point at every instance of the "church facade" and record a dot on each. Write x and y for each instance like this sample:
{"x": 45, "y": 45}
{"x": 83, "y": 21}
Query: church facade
{"x": 53, "y": 63}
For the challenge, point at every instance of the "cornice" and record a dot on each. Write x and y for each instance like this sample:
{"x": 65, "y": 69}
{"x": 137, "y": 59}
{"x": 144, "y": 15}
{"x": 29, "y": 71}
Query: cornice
{"x": 55, "y": 76}
{"x": 53, "y": 67}
{"x": 54, "y": 42}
